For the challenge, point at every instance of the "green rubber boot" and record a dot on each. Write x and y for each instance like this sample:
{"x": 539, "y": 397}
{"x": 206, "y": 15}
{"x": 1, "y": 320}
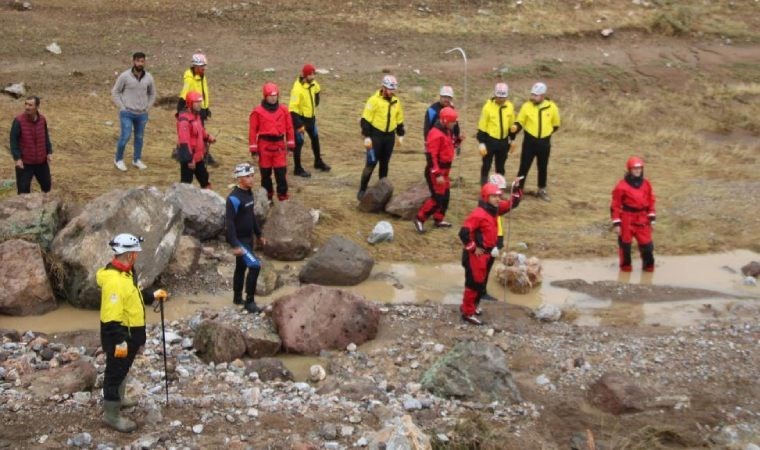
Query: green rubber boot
{"x": 126, "y": 402}
{"x": 112, "y": 418}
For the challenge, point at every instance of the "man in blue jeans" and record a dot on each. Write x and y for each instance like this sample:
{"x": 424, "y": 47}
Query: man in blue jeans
{"x": 134, "y": 93}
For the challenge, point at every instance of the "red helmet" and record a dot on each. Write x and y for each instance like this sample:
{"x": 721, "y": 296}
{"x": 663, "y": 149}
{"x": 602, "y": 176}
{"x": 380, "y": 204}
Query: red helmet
{"x": 448, "y": 115}
{"x": 634, "y": 161}
{"x": 308, "y": 69}
{"x": 270, "y": 89}
{"x": 192, "y": 97}
{"x": 488, "y": 190}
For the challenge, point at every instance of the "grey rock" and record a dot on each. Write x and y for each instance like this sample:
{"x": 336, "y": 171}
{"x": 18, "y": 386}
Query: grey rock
{"x": 472, "y": 371}
{"x": 617, "y": 394}
{"x": 376, "y": 196}
{"x": 400, "y": 434}
{"x": 15, "y": 90}
{"x": 288, "y": 231}
{"x": 381, "y": 232}
{"x": 260, "y": 206}
{"x": 185, "y": 259}
{"x": 202, "y": 209}
{"x": 410, "y": 403}
{"x": 752, "y": 269}
{"x": 749, "y": 281}
{"x": 217, "y": 342}
{"x": 33, "y": 217}
{"x": 339, "y": 262}
{"x": 328, "y": 431}
{"x": 547, "y": 313}
{"x": 406, "y": 204}
{"x": 261, "y": 342}
{"x": 31, "y": 293}
{"x": 80, "y": 440}
{"x": 268, "y": 278}
{"x": 74, "y": 377}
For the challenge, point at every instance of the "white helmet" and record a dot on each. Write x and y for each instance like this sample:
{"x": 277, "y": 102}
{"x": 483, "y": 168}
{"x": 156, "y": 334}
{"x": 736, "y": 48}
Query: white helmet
{"x": 501, "y": 90}
{"x": 538, "y": 89}
{"x": 498, "y": 180}
{"x": 124, "y": 243}
{"x": 446, "y": 91}
{"x": 199, "y": 59}
{"x": 389, "y": 82}
{"x": 243, "y": 170}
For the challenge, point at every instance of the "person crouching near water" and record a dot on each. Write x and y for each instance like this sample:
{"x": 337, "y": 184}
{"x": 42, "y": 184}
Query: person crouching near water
{"x": 122, "y": 325}
{"x": 479, "y": 237}
{"x": 633, "y": 215}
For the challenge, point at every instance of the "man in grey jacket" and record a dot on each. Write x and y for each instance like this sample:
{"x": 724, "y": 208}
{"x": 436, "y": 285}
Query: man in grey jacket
{"x": 134, "y": 94}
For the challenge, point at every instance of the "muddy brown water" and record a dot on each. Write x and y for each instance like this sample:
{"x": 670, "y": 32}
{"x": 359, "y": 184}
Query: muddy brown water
{"x": 442, "y": 283}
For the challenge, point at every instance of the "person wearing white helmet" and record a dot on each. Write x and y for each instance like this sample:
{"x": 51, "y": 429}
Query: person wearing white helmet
{"x": 494, "y": 136}
{"x": 446, "y": 98}
{"x": 382, "y": 120}
{"x": 122, "y": 325}
{"x": 195, "y": 79}
{"x": 241, "y": 228}
{"x": 539, "y": 118}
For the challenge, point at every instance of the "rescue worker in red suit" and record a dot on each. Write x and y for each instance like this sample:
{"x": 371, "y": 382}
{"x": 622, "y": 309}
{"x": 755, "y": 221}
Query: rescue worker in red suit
{"x": 479, "y": 236}
{"x": 192, "y": 142}
{"x": 633, "y": 215}
{"x": 270, "y": 130}
{"x": 439, "y": 151}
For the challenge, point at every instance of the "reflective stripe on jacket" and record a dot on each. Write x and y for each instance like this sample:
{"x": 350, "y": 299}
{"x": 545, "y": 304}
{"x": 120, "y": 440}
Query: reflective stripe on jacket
{"x": 384, "y": 114}
{"x": 496, "y": 119}
{"x": 196, "y": 83}
{"x": 120, "y": 301}
{"x": 539, "y": 120}
{"x": 304, "y": 98}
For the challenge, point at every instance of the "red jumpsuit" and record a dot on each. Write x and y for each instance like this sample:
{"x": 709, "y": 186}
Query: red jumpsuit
{"x": 480, "y": 230}
{"x": 192, "y": 136}
{"x": 440, "y": 154}
{"x": 270, "y": 129}
{"x": 632, "y": 208}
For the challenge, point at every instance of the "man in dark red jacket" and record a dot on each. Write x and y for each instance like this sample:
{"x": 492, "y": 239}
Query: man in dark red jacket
{"x": 270, "y": 130}
{"x": 479, "y": 236}
{"x": 632, "y": 213}
{"x": 439, "y": 151}
{"x": 31, "y": 148}
{"x": 191, "y": 141}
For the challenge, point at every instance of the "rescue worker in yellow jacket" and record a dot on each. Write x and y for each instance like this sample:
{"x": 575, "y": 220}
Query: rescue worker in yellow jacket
{"x": 304, "y": 99}
{"x": 494, "y": 135}
{"x": 539, "y": 118}
{"x": 195, "y": 80}
{"x": 382, "y": 120}
{"x": 122, "y": 325}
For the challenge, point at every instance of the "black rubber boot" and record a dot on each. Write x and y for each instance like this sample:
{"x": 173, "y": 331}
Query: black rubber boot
{"x": 251, "y": 307}
{"x": 237, "y": 298}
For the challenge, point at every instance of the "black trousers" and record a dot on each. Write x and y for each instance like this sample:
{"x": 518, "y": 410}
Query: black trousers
{"x": 498, "y": 149}
{"x": 310, "y": 126}
{"x": 383, "y": 144}
{"x": 24, "y": 176}
{"x": 280, "y": 176}
{"x": 117, "y": 369}
{"x": 534, "y": 148}
{"x": 240, "y": 277}
{"x": 186, "y": 174}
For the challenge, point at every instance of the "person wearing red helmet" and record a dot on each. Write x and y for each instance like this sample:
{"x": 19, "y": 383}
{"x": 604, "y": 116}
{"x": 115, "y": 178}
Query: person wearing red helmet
{"x": 270, "y": 131}
{"x": 479, "y": 237}
{"x": 304, "y": 99}
{"x": 439, "y": 151}
{"x": 633, "y": 215}
{"x": 192, "y": 141}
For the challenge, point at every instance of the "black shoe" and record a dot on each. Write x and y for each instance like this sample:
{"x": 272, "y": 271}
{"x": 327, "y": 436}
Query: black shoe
{"x": 251, "y": 307}
{"x": 442, "y": 224}
{"x": 301, "y": 173}
{"x": 360, "y": 194}
{"x": 320, "y": 165}
{"x": 488, "y": 297}
{"x": 237, "y": 299}
{"x": 472, "y": 319}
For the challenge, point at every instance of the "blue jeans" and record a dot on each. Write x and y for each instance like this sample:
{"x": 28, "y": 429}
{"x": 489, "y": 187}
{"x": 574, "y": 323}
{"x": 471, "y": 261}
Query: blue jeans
{"x": 130, "y": 120}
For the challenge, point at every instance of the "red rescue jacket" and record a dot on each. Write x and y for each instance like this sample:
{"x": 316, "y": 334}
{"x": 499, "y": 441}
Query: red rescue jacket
{"x": 270, "y": 123}
{"x": 440, "y": 146}
{"x": 630, "y": 199}
{"x": 480, "y": 228}
{"x": 190, "y": 132}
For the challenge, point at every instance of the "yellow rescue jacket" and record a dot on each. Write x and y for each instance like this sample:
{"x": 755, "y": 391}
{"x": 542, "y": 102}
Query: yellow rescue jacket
{"x": 384, "y": 114}
{"x": 120, "y": 301}
{"x": 496, "y": 119}
{"x": 303, "y": 98}
{"x": 197, "y": 83}
{"x": 539, "y": 120}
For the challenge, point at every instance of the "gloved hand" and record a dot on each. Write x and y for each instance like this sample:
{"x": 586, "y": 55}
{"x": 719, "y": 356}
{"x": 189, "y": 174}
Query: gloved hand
{"x": 160, "y": 294}
{"x": 495, "y": 252}
{"x": 121, "y": 350}
{"x": 367, "y": 143}
{"x": 482, "y": 149}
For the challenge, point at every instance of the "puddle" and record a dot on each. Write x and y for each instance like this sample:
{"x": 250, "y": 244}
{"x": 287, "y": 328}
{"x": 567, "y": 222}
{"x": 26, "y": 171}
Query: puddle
{"x": 300, "y": 365}
{"x": 442, "y": 283}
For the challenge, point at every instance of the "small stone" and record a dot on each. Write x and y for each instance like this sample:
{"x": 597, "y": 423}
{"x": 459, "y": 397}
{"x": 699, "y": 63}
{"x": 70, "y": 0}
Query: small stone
{"x": 362, "y": 442}
{"x": 331, "y": 445}
{"x": 750, "y": 281}
{"x": 607, "y": 32}
{"x": 355, "y": 419}
{"x": 229, "y": 418}
{"x": 186, "y": 343}
{"x": 439, "y": 348}
{"x": 542, "y": 380}
{"x": 82, "y": 397}
{"x": 490, "y": 332}
{"x": 54, "y": 48}
{"x": 317, "y": 373}
{"x": 80, "y": 440}
{"x": 198, "y": 429}
{"x": 346, "y": 431}
{"x": 252, "y": 412}
{"x": 175, "y": 424}
{"x": 411, "y": 403}
{"x": 328, "y": 431}
{"x": 269, "y": 70}
{"x": 442, "y": 438}
{"x": 42, "y": 439}
{"x": 351, "y": 347}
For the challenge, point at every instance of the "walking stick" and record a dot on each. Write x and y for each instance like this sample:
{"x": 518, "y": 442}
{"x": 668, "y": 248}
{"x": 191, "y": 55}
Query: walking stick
{"x": 163, "y": 341}
{"x": 509, "y": 233}
{"x": 464, "y": 116}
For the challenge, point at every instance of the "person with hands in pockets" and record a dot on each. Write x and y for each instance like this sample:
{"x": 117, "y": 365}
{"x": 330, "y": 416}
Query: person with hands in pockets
{"x": 122, "y": 325}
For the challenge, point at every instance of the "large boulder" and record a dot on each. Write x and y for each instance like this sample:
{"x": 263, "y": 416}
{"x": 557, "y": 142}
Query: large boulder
{"x": 186, "y": 256}
{"x": 80, "y": 249}
{"x": 217, "y": 342}
{"x": 617, "y": 394}
{"x": 376, "y": 197}
{"x": 261, "y": 206}
{"x": 400, "y": 434}
{"x": 32, "y": 217}
{"x": 202, "y": 209}
{"x": 407, "y": 203}
{"x": 77, "y": 376}
{"x": 339, "y": 262}
{"x": 261, "y": 342}
{"x": 473, "y": 371}
{"x": 26, "y": 287}
{"x": 316, "y": 318}
{"x": 288, "y": 231}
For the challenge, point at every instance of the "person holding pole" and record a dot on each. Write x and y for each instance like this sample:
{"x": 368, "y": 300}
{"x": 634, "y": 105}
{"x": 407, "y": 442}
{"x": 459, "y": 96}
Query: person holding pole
{"x": 241, "y": 227}
{"x": 122, "y": 325}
